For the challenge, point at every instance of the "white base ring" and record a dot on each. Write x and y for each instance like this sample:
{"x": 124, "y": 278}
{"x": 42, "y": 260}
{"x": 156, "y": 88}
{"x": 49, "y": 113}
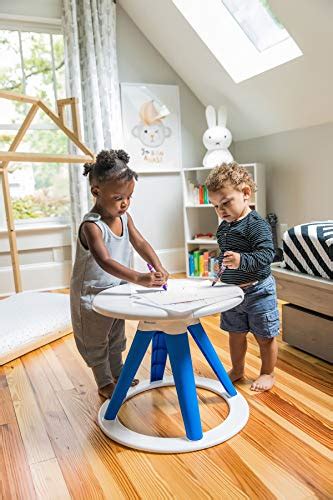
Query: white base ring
{"x": 235, "y": 421}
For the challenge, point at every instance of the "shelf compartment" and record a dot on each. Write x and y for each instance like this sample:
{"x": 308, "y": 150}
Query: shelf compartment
{"x": 199, "y": 205}
{"x": 202, "y": 242}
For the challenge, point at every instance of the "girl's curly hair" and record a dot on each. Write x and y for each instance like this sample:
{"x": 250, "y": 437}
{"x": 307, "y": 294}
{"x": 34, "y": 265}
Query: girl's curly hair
{"x": 229, "y": 173}
{"x": 110, "y": 163}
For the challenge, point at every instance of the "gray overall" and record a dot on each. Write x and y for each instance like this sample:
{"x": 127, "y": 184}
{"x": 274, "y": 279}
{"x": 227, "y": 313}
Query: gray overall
{"x": 99, "y": 339}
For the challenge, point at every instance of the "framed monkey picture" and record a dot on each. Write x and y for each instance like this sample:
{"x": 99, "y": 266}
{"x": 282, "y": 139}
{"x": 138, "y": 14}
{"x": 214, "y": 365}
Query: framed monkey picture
{"x": 151, "y": 126}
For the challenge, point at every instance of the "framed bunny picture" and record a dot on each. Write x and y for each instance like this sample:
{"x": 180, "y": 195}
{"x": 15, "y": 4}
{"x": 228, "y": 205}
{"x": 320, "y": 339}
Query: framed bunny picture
{"x": 151, "y": 126}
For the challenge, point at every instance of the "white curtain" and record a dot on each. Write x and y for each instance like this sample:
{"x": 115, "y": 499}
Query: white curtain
{"x": 89, "y": 28}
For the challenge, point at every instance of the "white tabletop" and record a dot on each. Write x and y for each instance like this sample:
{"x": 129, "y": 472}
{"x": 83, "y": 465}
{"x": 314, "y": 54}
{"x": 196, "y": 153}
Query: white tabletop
{"x": 123, "y": 301}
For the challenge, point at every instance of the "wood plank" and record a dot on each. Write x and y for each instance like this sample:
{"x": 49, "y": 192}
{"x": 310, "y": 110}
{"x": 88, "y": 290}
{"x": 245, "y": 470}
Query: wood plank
{"x": 11, "y": 231}
{"x": 49, "y": 481}
{"x": 80, "y": 479}
{"x": 76, "y": 118}
{"x": 100, "y": 452}
{"x": 301, "y": 369}
{"x": 22, "y": 131}
{"x": 36, "y": 441}
{"x": 283, "y": 420}
{"x": 61, "y": 113}
{"x": 67, "y": 100}
{"x": 43, "y": 157}
{"x": 235, "y": 468}
{"x": 15, "y": 477}
{"x": 18, "y": 97}
{"x": 279, "y": 445}
{"x": 7, "y": 413}
{"x": 149, "y": 482}
{"x": 79, "y": 374}
{"x": 275, "y": 477}
{"x": 57, "y": 375}
{"x": 71, "y": 135}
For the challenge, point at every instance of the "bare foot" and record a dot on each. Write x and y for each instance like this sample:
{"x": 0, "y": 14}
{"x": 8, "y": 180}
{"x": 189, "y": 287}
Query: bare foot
{"x": 106, "y": 391}
{"x": 263, "y": 383}
{"x": 135, "y": 381}
{"x": 235, "y": 375}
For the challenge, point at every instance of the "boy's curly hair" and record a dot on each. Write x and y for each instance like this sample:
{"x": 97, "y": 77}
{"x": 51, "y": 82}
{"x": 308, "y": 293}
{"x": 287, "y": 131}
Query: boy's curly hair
{"x": 229, "y": 173}
{"x": 110, "y": 163}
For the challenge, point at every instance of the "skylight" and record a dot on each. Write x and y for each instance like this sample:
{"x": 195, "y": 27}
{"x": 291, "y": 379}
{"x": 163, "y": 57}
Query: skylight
{"x": 258, "y": 22}
{"x": 244, "y": 35}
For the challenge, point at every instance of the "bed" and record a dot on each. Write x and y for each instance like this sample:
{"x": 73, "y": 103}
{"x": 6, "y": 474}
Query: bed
{"x": 305, "y": 281}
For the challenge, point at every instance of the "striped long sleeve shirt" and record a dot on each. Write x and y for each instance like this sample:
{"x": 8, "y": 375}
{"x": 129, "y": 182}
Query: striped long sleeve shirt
{"x": 251, "y": 237}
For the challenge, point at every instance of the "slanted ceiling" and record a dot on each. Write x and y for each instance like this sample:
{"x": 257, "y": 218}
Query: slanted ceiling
{"x": 295, "y": 95}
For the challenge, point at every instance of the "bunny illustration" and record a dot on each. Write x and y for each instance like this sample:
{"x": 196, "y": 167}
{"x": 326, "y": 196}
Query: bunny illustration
{"x": 217, "y": 138}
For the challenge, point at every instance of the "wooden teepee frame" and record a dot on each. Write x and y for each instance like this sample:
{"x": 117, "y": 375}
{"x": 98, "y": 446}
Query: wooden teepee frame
{"x": 13, "y": 155}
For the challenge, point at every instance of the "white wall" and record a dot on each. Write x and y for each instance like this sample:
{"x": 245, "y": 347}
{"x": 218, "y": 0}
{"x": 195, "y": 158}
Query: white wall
{"x": 299, "y": 176}
{"x": 157, "y": 203}
{"x": 37, "y": 8}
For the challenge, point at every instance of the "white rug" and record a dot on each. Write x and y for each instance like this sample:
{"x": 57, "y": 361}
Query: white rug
{"x": 29, "y": 320}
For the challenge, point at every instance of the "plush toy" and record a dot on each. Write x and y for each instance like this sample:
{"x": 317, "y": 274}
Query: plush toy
{"x": 217, "y": 138}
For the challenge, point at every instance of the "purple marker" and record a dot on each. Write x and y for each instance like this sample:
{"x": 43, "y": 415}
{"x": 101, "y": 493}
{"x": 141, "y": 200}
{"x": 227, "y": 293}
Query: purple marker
{"x": 150, "y": 267}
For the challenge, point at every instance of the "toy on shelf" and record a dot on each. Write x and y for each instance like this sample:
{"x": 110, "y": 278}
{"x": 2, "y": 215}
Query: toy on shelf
{"x": 217, "y": 138}
{"x": 204, "y": 236}
{"x": 272, "y": 221}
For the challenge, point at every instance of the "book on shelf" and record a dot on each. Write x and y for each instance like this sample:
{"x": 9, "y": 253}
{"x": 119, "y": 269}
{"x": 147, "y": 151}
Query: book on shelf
{"x": 191, "y": 264}
{"x": 201, "y": 265}
{"x": 201, "y": 262}
{"x": 201, "y": 195}
{"x": 196, "y": 256}
{"x": 197, "y": 194}
{"x": 205, "y": 195}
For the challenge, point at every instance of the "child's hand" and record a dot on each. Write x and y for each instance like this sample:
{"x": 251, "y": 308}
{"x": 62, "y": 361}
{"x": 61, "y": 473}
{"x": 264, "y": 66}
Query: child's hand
{"x": 216, "y": 267}
{"x": 151, "y": 279}
{"x": 231, "y": 260}
{"x": 164, "y": 272}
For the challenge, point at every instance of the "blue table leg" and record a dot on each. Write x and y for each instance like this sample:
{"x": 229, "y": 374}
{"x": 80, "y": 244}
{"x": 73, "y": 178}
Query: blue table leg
{"x": 207, "y": 349}
{"x": 182, "y": 369}
{"x": 135, "y": 355}
{"x": 158, "y": 356}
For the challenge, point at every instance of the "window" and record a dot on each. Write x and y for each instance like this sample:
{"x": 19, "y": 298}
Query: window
{"x": 244, "y": 35}
{"x": 258, "y": 22}
{"x": 32, "y": 63}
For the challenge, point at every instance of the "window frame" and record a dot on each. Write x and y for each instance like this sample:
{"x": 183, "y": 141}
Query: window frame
{"x": 49, "y": 27}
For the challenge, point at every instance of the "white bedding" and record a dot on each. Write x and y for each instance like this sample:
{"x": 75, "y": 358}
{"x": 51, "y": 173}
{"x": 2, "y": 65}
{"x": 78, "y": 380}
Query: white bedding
{"x": 30, "y": 320}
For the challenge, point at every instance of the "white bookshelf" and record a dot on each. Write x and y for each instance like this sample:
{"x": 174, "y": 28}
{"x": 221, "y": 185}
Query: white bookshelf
{"x": 202, "y": 218}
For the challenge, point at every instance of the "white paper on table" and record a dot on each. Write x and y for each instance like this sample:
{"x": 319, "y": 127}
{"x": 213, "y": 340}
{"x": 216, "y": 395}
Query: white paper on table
{"x": 182, "y": 298}
{"x": 180, "y": 308}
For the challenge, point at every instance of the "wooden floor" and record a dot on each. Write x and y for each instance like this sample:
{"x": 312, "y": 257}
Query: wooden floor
{"x": 51, "y": 446}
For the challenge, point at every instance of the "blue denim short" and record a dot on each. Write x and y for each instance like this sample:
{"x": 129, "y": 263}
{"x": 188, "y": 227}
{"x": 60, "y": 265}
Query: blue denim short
{"x": 258, "y": 313}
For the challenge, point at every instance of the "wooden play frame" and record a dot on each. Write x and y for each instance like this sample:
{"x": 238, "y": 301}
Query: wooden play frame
{"x": 12, "y": 155}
